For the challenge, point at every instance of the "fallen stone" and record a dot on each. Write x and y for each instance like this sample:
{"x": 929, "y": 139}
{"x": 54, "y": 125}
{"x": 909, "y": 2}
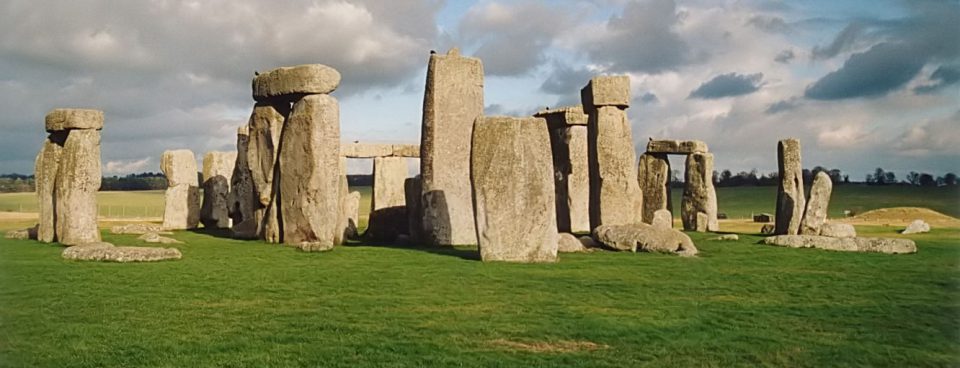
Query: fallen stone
{"x": 641, "y": 237}
{"x": 613, "y": 90}
{"x": 568, "y": 142}
{"x": 137, "y": 229}
{"x": 662, "y": 218}
{"x": 816, "y": 213}
{"x": 156, "y": 238}
{"x": 101, "y": 251}
{"x": 77, "y": 183}
{"x": 453, "y": 100}
{"x": 653, "y": 175}
{"x": 588, "y": 242}
{"x": 21, "y": 234}
{"x": 512, "y": 177}
{"x": 698, "y": 209}
{"x": 916, "y": 227}
{"x": 289, "y": 83}
{"x": 790, "y": 197}
{"x": 217, "y": 173}
{"x": 875, "y": 245}
{"x": 63, "y": 119}
{"x": 676, "y": 147}
{"x": 838, "y": 230}
{"x": 310, "y": 174}
{"x": 726, "y": 237}
{"x": 567, "y": 243}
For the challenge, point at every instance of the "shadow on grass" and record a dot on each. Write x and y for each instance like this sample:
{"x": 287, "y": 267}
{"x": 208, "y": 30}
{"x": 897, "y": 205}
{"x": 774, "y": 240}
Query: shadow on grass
{"x": 462, "y": 253}
{"x": 214, "y": 232}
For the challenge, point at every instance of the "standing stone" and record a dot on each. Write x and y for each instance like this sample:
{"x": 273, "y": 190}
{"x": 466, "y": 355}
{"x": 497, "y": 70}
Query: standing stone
{"x": 266, "y": 125}
{"x": 653, "y": 174}
{"x": 78, "y": 178}
{"x": 615, "y": 196}
{"x": 388, "y": 212}
{"x": 662, "y": 219}
{"x": 412, "y": 190}
{"x": 45, "y": 177}
{"x": 217, "y": 173}
{"x": 790, "y": 199}
{"x": 698, "y": 210}
{"x": 291, "y": 82}
{"x": 452, "y": 101}
{"x": 243, "y": 200}
{"x": 309, "y": 167}
{"x": 182, "y": 198}
{"x": 816, "y": 213}
{"x": 351, "y": 215}
{"x": 568, "y": 141}
{"x": 513, "y": 190}
{"x": 343, "y": 217}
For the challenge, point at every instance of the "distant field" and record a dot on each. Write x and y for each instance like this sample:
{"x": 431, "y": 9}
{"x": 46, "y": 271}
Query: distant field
{"x": 737, "y": 202}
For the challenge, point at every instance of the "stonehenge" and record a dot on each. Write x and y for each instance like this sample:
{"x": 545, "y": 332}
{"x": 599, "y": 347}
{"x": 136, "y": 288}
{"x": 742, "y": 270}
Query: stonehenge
{"x": 218, "y": 170}
{"x": 653, "y": 174}
{"x": 182, "y": 199}
{"x": 452, "y": 101}
{"x": 568, "y": 141}
{"x": 641, "y": 237}
{"x": 698, "y": 210}
{"x": 846, "y": 244}
{"x": 790, "y": 197}
{"x": 815, "y": 214}
{"x": 242, "y": 200}
{"x": 388, "y": 211}
{"x": 513, "y": 192}
{"x": 68, "y": 177}
{"x": 615, "y": 196}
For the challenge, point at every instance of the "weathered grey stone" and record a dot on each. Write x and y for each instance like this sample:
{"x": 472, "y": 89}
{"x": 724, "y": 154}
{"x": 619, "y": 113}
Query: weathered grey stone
{"x": 21, "y": 234}
{"x": 698, "y": 209}
{"x": 567, "y": 243}
{"x": 156, "y": 238}
{"x": 653, "y": 175}
{"x": 412, "y": 190}
{"x": 266, "y": 125}
{"x": 512, "y": 178}
{"x": 917, "y": 227}
{"x": 646, "y": 238}
{"x": 615, "y": 196}
{"x": 668, "y": 146}
{"x": 875, "y": 245}
{"x": 727, "y": 237}
{"x": 838, "y": 230}
{"x": 243, "y": 199}
{"x": 662, "y": 218}
{"x": 388, "y": 212}
{"x": 45, "y": 179}
{"x": 289, "y": 83}
{"x": 182, "y": 207}
{"x": 343, "y": 218}
{"x": 63, "y": 119}
{"x": 100, "y": 251}
{"x": 217, "y": 172}
{"x": 351, "y": 212}
{"x": 180, "y": 167}
{"x": 790, "y": 198}
{"x": 568, "y": 142}
{"x": 815, "y": 214}
{"x": 77, "y": 183}
{"x": 612, "y": 90}
{"x": 588, "y": 242}
{"x": 310, "y": 174}
{"x": 137, "y": 229}
{"x": 371, "y": 150}
{"x": 452, "y": 101}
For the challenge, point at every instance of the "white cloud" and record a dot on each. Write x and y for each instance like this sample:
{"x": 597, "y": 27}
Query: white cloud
{"x": 127, "y": 166}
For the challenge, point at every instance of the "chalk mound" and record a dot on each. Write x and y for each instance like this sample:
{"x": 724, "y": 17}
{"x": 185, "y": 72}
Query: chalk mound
{"x": 904, "y": 215}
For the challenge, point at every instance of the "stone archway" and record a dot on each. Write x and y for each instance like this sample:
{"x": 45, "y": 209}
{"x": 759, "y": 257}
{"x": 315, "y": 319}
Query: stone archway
{"x": 390, "y": 212}
{"x": 698, "y": 209}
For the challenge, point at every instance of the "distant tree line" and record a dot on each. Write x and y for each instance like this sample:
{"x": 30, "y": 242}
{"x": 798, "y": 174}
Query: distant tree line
{"x": 881, "y": 177}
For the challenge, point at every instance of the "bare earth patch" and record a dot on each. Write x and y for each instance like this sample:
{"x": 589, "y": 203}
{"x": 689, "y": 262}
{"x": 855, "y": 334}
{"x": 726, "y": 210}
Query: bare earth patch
{"x": 562, "y": 346}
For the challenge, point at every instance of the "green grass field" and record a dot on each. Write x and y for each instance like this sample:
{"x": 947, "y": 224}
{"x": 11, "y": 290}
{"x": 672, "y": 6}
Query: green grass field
{"x": 247, "y": 303}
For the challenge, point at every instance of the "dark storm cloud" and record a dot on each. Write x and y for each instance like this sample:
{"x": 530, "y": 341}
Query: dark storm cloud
{"x": 727, "y": 85}
{"x": 642, "y": 39}
{"x": 842, "y": 42}
{"x": 784, "y": 57}
{"x": 781, "y": 106}
{"x": 875, "y": 72}
{"x": 565, "y": 79}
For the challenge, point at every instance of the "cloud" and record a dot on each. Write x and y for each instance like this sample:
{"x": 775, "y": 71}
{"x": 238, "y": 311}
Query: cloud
{"x": 875, "y": 72}
{"x": 784, "y": 57}
{"x": 842, "y": 42}
{"x": 768, "y": 23}
{"x": 728, "y": 85}
{"x": 782, "y": 105}
{"x": 121, "y": 167}
{"x": 845, "y": 136}
{"x": 945, "y": 75}
{"x": 641, "y": 39}
{"x": 512, "y": 37}
{"x": 931, "y": 137}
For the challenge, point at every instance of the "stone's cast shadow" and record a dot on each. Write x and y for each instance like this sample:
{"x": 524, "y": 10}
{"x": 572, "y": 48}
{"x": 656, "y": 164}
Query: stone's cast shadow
{"x": 466, "y": 254}
{"x": 214, "y": 232}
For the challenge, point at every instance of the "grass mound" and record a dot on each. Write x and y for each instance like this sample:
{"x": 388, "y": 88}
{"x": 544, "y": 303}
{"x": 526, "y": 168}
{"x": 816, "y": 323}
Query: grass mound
{"x": 905, "y": 215}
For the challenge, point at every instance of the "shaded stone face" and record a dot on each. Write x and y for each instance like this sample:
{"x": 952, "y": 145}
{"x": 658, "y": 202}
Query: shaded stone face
{"x": 217, "y": 173}
{"x": 653, "y": 175}
{"x": 513, "y": 188}
{"x": 290, "y": 83}
{"x": 45, "y": 177}
{"x": 698, "y": 210}
{"x": 790, "y": 196}
{"x": 615, "y": 196}
{"x": 452, "y": 101}
{"x": 388, "y": 216}
{"x": 612, "y": 90}
{"x": 815, "y": 214}
{"x": 412, "y": 189}
{"x": 309, "y": 174}
{"x": 243, "y": 200}
{"x": 77, "y": 183}
{"x": 182, "y": 197}
{"x": 568, "y": 142}
{"x": 265, "y": 127}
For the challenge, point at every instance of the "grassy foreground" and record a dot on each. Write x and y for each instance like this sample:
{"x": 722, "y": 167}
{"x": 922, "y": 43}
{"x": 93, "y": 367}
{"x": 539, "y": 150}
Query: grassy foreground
{"x": 246, "y": 303}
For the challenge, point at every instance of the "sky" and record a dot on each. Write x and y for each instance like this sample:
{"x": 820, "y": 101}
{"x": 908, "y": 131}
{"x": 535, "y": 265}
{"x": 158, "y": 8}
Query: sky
{"x": 862, "y": 84}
